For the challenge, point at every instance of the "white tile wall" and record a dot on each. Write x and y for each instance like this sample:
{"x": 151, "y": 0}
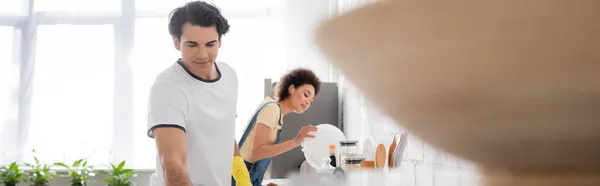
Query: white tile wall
{"x": 423, "y": 164}
{"x": 424, "y": 174}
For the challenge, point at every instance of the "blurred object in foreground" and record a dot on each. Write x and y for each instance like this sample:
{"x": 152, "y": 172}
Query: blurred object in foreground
{"x": 511, "y": 85}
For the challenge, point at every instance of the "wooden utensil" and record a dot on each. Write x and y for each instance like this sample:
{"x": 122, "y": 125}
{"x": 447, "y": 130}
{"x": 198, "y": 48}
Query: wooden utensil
{"x": 380, "y": 156}
{"x": 516, "y": 93}
{"x": 391, "y": 153}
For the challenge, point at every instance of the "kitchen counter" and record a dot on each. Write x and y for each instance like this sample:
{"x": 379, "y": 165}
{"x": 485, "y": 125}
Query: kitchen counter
{"x": 355, "y": 178}
{"x": 279, "y": 182}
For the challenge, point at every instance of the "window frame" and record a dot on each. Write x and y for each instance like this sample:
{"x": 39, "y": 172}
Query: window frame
{"x": 123, "y": 22}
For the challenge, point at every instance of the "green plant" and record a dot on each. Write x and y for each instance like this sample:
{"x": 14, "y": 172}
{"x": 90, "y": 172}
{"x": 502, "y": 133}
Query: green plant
{"x": 119, "y": 176}
{"x": 79, "y": 172}
{"x": 40, "y": 174}
{"x": 11, "y": 175}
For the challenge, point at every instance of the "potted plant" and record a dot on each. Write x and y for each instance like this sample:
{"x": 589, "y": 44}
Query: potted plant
{"x": 40, "y": 174}
{"x": 79, "y": 172}
{"x": 119, "y": 176}
{"x": 11, "y": 175}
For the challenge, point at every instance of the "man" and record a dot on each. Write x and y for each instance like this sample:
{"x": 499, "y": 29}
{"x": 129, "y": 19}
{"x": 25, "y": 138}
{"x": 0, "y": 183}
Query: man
{"x": 192, "y": 105}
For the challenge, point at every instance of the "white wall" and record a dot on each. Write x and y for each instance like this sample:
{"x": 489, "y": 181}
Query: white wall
{"x": 300, "y": 18}
{"x": 423, "y": 165}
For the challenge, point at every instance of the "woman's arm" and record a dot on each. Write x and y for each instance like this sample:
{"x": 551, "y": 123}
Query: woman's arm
{"x": 262, "y": 149}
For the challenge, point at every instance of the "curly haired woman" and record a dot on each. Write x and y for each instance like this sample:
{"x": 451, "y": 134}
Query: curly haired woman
{"x": 261, "y": 140}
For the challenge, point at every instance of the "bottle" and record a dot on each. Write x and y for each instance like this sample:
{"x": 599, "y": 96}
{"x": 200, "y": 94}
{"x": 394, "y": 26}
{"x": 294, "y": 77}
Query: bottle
{"x": 332, "y": 155}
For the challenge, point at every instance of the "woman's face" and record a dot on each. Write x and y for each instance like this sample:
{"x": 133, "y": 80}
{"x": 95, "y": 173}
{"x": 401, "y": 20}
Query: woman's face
{"x": 301, "y": 97}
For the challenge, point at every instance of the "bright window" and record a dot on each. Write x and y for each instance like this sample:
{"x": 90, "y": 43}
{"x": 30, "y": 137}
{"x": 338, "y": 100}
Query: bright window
{"x": 72, "y": 99}
{"x": 11, "y": 7}
{"x": 77, "y": 5}
{"x": 225, "y": 5}
{"x": 70, "y": 112}
{"x": 153, "y": 52}
{"x": 9, "y": 87}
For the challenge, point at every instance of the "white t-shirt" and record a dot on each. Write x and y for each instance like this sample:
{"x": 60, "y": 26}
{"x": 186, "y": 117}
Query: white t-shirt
{"x": 206, "y": 111}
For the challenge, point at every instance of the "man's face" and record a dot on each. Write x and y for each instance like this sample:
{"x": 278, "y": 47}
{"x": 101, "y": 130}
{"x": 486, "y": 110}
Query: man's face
{"x": 199, "y": 46}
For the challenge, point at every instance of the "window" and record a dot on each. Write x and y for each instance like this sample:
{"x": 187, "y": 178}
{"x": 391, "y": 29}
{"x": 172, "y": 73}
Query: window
{"x": 77, "y": 90}
{"x": 11, "y": 7}
{"x": 77, "y": 5}
{"x": 153, "y": 52}
{"x": 72, "y": 98}
{"x": 9, "y": 87}
{"x": 158, "y": 5}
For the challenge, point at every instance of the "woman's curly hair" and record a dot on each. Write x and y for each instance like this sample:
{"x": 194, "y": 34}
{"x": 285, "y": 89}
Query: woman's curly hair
{"x": 296, "y": 77}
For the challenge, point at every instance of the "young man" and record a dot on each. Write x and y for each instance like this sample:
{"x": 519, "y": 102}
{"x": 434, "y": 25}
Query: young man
{"x": 192, "y": 105}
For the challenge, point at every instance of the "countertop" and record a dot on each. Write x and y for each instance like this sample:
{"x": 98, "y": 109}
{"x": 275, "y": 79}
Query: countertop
{"x": 279, "y": 182}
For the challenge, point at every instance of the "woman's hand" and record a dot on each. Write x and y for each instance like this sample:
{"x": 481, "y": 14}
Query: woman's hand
{"x": 305, "y": 133}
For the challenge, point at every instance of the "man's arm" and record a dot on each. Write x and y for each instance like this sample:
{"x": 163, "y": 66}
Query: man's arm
{"x": 172, "y": 151}
{"x": 166, "y": 123}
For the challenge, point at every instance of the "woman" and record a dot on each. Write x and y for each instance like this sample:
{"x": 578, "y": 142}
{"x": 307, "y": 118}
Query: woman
{"x": 261, "y": 140}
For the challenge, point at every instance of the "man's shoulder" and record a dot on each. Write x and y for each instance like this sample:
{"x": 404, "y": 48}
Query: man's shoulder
{"x": 222, "y": 65}
{"x": 171, "y": 73}
{"x": 229, "y": 76}
{"x": 225, "y": 68}
{"x": 169, "y": 80}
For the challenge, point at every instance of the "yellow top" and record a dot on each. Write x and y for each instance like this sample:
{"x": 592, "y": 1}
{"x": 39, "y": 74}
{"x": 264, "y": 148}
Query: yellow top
{"x": 269, "y": 116}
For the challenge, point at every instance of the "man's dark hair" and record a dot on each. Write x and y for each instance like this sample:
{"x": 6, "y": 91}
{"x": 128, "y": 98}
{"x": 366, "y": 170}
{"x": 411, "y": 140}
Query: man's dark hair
{"x": 198, "y": 13}
{"x": 296, "y": 77}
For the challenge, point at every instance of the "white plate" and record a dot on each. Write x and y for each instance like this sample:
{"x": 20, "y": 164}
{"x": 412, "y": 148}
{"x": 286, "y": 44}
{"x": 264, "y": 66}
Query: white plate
{"x": 316, "y": 149}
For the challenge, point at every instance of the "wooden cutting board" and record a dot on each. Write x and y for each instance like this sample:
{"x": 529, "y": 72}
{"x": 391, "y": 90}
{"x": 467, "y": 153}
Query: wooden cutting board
{"x": 391, "y": 153}
{"x": 380, "y": 156}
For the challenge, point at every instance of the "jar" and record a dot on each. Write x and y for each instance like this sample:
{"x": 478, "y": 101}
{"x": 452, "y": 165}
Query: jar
{"x": 347, "y": 149}
{"x": 352, "y": 163}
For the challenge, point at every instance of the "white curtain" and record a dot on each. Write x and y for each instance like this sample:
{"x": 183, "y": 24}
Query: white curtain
{"x": 75, "y": 74}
